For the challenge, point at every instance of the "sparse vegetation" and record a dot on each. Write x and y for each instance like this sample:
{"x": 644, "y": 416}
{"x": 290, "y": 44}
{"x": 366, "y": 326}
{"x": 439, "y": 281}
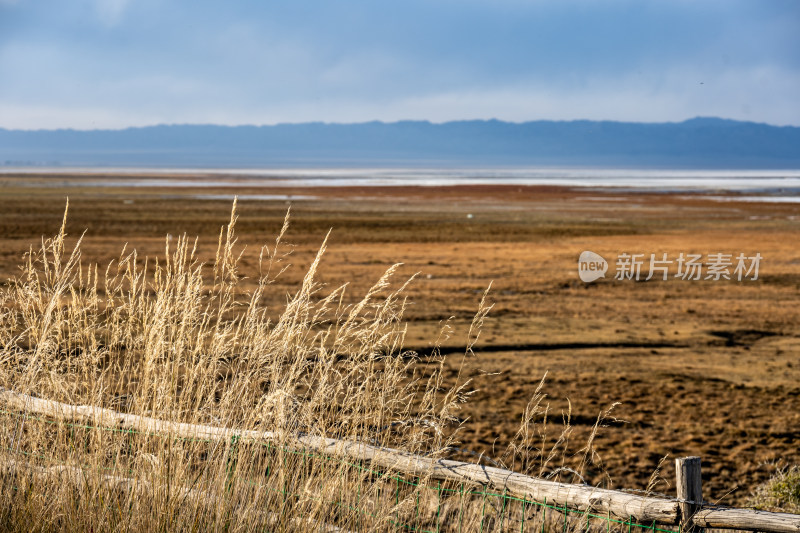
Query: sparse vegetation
{"x": 780, "y": 493}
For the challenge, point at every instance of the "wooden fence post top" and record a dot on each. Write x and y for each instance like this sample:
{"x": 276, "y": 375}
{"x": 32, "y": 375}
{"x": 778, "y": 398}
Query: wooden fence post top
{"x": 689, "y": 486}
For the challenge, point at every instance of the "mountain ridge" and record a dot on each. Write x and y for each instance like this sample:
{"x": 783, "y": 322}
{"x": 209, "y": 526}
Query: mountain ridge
{"x": 698, "y": 142}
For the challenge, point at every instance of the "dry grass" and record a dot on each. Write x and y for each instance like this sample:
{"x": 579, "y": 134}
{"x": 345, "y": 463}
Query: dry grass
{"x": 665, "y": 350}
{"x": 780, "y": 493}
{"x": 179, "y": 340}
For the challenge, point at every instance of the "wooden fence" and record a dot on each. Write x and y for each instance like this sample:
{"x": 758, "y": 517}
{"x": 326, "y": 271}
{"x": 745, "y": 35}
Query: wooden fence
{"x": 687, "y": 510}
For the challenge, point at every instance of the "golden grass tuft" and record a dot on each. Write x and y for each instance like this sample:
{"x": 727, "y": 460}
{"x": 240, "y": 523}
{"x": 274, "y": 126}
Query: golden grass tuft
{"x": 175, "y": 339}
{"x": 780, "y": 493}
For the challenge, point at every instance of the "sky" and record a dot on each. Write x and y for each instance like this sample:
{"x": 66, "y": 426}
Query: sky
{"x": 88, "y": 64}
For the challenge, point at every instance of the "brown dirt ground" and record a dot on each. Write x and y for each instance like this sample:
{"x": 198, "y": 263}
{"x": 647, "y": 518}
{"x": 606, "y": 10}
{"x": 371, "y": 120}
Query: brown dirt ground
{"x": 705, "y": 368}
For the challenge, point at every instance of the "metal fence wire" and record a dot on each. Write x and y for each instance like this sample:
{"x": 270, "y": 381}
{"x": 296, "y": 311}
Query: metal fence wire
{"x": 359, "y": 497}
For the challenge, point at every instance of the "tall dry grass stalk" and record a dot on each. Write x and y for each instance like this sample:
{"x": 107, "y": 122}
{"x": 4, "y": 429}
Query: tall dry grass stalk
{"x": 178, "y": 340}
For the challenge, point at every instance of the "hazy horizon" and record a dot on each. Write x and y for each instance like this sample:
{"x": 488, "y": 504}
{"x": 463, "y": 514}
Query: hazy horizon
{"x": 399, "y": 121}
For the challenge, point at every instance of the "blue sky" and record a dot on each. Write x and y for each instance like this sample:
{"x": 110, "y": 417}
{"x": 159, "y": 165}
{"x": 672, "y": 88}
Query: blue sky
{"x": 119, "y": 63}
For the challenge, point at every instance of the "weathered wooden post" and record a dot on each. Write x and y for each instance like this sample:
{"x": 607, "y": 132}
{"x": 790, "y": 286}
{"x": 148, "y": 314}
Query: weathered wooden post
{"x": 690, "y": 490}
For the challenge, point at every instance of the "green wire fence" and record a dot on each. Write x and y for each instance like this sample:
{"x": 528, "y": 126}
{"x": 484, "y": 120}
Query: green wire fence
{"x": 390, "y": 500}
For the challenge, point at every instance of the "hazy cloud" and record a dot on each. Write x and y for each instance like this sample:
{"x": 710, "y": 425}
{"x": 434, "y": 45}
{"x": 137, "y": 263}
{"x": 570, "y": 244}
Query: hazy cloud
{"x": 110, "y": 11}
{"x": 120, "y": 63}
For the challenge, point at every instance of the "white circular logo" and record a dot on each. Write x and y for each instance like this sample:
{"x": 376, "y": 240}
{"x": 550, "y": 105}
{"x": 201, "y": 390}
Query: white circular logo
{"x": 591, "y": 266}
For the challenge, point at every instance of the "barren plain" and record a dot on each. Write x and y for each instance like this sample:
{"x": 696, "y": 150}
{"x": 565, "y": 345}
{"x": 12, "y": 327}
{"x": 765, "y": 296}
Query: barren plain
{"x": 699, "y": 367}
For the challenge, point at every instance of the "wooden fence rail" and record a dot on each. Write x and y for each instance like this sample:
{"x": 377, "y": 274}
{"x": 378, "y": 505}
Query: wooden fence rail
{"x": 644, "y": 509}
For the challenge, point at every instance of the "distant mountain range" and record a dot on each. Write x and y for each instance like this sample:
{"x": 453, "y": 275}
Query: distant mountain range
{"x": 695, "y": 143}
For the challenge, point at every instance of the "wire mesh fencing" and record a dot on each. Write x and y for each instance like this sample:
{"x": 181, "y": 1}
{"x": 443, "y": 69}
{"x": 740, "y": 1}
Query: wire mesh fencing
{"x": 285, "y": 486}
